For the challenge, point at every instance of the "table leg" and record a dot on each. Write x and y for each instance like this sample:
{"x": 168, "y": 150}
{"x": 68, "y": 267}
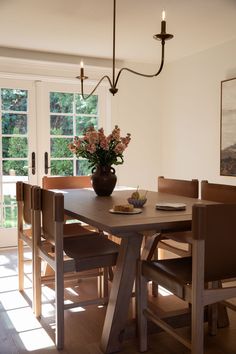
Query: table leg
{"x": 121, "y": 292}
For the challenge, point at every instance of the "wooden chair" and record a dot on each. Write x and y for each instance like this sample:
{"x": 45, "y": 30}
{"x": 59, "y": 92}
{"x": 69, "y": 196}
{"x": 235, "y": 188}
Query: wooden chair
{"x": 25, "y": 233}
{"x": 71, "y": 254}
{"x": 221, "y": 193}
{"x": 213, "y": 230}
{"x": 170, "y": 241}
{"x": 183, "y": 188}
{"x": 68, "y": 182}
{"x": 77, "y": 228}
{"x": 25, "y": 237}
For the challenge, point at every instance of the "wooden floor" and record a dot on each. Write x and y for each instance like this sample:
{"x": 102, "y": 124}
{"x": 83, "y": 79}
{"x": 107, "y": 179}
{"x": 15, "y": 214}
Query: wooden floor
{"x": 20, "y": 332}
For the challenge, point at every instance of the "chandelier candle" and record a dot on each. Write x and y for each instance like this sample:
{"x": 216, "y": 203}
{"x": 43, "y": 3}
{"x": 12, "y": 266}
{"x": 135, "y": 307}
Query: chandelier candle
{"x": 163, "y": 22}
{"x": 113, "y": 81}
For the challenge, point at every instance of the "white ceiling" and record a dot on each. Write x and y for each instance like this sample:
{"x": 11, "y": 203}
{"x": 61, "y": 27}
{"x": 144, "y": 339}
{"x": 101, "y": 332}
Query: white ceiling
{"x": 84, "y": 27}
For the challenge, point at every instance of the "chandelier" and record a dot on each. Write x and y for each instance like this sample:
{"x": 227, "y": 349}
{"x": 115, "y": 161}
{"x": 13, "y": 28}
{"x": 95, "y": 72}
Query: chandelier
{"x": 162, "y": 37}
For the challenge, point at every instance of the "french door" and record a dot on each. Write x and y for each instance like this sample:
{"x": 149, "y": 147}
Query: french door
{"x": 38, "y": 121}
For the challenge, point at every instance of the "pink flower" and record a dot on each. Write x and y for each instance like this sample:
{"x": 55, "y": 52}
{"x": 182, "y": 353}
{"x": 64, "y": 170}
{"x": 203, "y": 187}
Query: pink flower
{"x": 119, "y": 148}
{"x": 100, "y": 149}
{"x": 104, "y": 144}
{"x": 93, "y": 137}
{"x": 91, "y": 148}
{"x": 116, "y": 133}
{"x": 72, "y": 148}
{"x": 126, "y": 140}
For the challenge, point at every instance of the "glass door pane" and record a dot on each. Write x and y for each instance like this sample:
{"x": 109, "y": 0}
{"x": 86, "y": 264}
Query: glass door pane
{"x": 15, "y": 154}
{"x": 68, "y": 116}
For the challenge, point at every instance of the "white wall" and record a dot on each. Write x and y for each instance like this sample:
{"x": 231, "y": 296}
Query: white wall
{"x": 135, "y": 109}
{"x": 190, "y": 114}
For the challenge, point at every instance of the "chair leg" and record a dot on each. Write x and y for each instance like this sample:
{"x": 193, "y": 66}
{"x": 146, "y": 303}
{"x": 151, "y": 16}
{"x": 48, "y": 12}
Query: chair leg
{"x": 149, "y": 251}
{"x": 37, "y": 284}
{"x": 20, "y": 264}
{"x": 213, "y": 313}
{"x": 154, "y": 283}
{"x": 197, "y": 329}
{"x": 103, "y": 283}
{"x": 223, "y": 318}
{"x": 59, "y": 307}
{"x": 197, "y": 309}
{"x": 141, "y": 301}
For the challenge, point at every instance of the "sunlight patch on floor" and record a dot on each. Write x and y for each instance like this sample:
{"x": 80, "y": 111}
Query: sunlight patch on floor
{"x": 5, "y": 271}
{"x": 23, "y": 319}
{"x": 13, "y": 300}
{"x": 48, "y": 294}
{"x": 77, "y": 309}
{"x": 36, "y": 339}
{"x": 71, "y": 291}
{"x": 4, "y": 260}
{"x": 15, "y": 308}
{"x": 48, "y": 310}
{"x": 8, "y": 284}
{"x": 163, "y": 292}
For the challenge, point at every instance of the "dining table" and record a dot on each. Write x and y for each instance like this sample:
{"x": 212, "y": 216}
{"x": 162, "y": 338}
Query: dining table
{"x": 97, "y": 211}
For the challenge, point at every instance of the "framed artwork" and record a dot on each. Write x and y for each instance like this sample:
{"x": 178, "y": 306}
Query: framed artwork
{"x": 228, "y": 128}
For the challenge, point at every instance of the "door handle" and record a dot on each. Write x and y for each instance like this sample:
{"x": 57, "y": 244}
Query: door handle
{"x": 33, "y": 165}
{"x": 46, "y": 167}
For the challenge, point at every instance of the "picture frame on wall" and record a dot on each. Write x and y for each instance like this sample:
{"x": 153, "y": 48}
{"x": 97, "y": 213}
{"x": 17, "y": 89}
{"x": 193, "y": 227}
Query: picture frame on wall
{"x": 228, "y": 128}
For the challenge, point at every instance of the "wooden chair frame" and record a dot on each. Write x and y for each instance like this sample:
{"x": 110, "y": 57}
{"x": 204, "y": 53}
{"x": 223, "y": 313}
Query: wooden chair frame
{"x": 184, "y": 188}
{"x": 49, "y": 207}
{"x": 209, "y": 221}
{"x": 25, "y": 231}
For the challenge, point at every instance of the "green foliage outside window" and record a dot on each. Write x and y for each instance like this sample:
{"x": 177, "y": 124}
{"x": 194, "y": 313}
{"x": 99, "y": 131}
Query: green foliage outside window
{"x": 63, "y": 106}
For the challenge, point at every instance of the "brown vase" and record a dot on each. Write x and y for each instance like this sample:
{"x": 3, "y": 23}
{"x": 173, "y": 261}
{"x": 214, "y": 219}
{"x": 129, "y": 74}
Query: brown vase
{"x": 103, "y": 180}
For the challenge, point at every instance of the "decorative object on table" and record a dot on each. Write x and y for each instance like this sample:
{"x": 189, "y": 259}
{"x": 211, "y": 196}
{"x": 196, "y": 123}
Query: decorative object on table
{"x": 102, "y": 152}
{"x": 137, "y": 200}
{"x": 171, "y": 206}
{"x": 228, "y": 128}
{"x": 162, "y": 37}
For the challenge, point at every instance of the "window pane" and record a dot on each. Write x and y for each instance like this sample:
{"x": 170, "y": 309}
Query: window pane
{"x": 10, "y": 216}
{"x": 14, "y": 147}
{"x": 59, "y": 147}
{"x": 84, "y": 122}
{"x": 82, "y": 168}
{"x": 61, "y": 102}
{"x": 14, "y": 123}
{"x": 15, "y": 168}
{"x": 88, "y": 106}
{"x": 62, "y": 168}
{"x": 61, "y": 125}
{"x": 14, "y": 99}
{"x": 9, "y": 193}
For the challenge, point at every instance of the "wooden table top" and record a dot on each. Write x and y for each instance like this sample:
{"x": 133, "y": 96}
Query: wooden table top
{"x": 86, "y": 206}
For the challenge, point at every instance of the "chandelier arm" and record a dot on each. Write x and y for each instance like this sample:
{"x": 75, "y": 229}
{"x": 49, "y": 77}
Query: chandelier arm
{"x": 141, "y": 74}
{"x": 90, "y": 94}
